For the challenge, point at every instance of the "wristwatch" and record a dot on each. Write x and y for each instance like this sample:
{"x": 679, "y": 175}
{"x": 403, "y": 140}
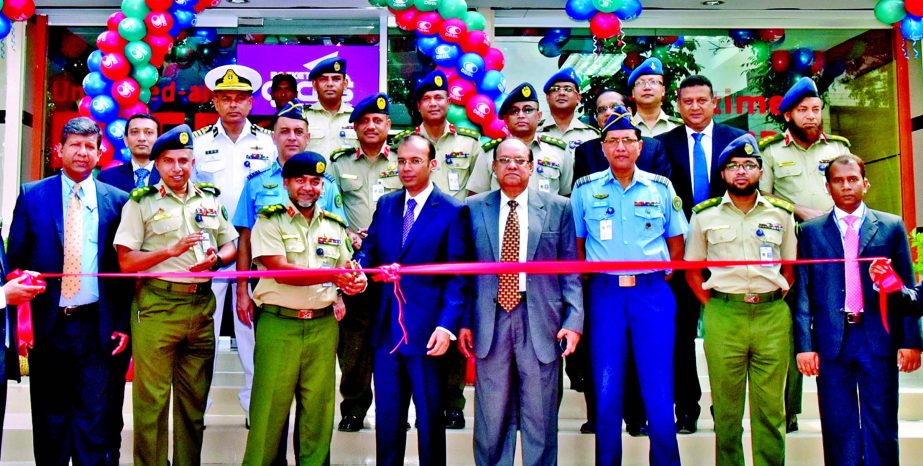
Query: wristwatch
{"x": 218, "y": 263}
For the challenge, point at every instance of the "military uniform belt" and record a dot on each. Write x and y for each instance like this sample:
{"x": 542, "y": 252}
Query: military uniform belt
{"x": 300, "y": 314}
{"x": 181, "y": 288}
{"x": 750, "y": 298}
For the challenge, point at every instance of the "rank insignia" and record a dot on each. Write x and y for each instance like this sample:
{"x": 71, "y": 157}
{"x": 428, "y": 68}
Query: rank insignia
{"x": 271, "y": 186}
{"x": 329, "y": 241}
{"x": 291, "y": 211}
{"x": 163, "y": 191}
{"x": 601, "y": 196}
{"x": 211, "y": 151}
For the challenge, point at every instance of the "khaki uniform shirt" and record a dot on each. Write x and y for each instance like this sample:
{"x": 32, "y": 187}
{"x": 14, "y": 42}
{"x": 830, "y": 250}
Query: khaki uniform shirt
{"x": 457, "y": 152}
{"x": 318, "y": 242}
{"x": 553, "y": 167}
{"x": 577, "y": 133}
{"x": 330, "y": 131}
{"x": 797, "y": 174}
{"x": 719, "y": 231}
{"x": 156, "y": 218}
{"x": 663, "y": 124}
{"x": 363, "y": 179}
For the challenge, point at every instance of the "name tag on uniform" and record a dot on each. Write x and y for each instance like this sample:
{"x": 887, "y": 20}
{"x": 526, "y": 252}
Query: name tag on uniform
{"x": 605, "y": 229}
{"x": 544, "y": 185}
{"x": 766, "y": 254}
{"x": 454, "y": 181}
{"x": 348, "y": 176}
{"x": 378, "y": 190}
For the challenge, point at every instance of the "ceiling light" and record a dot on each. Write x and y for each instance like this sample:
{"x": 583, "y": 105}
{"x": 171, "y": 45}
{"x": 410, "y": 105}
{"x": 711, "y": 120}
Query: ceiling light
{"x": 706, "y": 3}
{"x": 238, "y": 2}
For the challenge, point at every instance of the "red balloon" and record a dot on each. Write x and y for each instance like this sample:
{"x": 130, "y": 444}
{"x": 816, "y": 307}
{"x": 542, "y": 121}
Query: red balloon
{"x": 73, "y": 46}
{"x": 126, "y": 92}
{"x": 480, "y": 109}
{"x": 255, "y": 38}
{"x": 203, "y": 5}
{"x": 477, "y": 42}
{"x": 159, "y": 5}
{"x": 496, "y": 129}
{"x": 158, "y": 23}
{"x": 429, "y": 23}
{"x": 114, "y": 19}
{"x": 18, "y": 10}
{"x": 460, "y": 90}
{"x": 493, "y": 60}
{"x": 160, "y": 47}
{"x": 667, "y": 40}
{"x": 453, "y": 30}
{"x": 110, "y": 42}
{"x": 106, "y": 153}
{"x": 820, "y": 61}
{"x": 225, "y": 41}
{"x": 605, "y": 25}
{"x": 632, "y": 60}
{"x": 406, "y": 19}
{"x": 914, "y": 7}
{"x": 83, "y": 108}
{"x": 114, "y": 66}
{"x": 771, "y": 35}
{"x": 780, "y": 60}
{"x": 138, "y": 107}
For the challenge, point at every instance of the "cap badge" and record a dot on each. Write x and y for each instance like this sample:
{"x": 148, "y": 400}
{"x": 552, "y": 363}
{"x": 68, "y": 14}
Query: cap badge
{"x": 320, "y": 167}
{"x": 183, "y": 138}
{"x": 336, "y": 66}
{"x": 526, "y": 92}
{"x": 438, "y": 81}
{"x": 748, "y": 148}
{"x": 230, "y": 77}
{"x": 381, "y": 103}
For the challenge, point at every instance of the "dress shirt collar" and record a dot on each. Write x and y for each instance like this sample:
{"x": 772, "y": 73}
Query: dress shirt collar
{"x": 840, "y": 214}
{"x": 522, "y": 199}
{"x": 88, "y": 190}
{"x": 707, "y": 131}
{"x": 421, "y": 197}
{"x": 149, "y": 166}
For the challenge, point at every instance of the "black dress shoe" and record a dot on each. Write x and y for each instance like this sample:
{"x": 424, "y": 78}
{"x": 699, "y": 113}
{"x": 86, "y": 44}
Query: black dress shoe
{"x": 791, "y": 425}
{"x": 454, "y": 419}
{"x": 350, "y": 423}
{"x": 588, "y": 428}
{"x": 636, "y": 430}
{"x": 578, "y": 385}
{"x": 686, "y": 425}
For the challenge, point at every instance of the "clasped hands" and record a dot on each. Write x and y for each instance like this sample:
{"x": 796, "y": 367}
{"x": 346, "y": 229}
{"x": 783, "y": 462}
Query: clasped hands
{"x": 351, "y": 283}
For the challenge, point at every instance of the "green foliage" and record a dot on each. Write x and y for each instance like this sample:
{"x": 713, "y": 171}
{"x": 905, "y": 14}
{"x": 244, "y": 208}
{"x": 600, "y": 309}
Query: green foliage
{"x": 916, "y": 245}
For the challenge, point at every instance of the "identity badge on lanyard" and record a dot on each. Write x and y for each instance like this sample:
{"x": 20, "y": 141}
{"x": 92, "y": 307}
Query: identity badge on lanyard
{"x": 454, "y": 181}
{"x": 544, "y": 184}
{"x": 605, "y": 226}
{"x": 378, "y": 190}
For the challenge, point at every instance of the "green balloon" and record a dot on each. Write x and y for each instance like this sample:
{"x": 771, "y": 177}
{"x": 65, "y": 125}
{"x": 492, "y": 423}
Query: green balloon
{"x": 453, "y": 9}
{"x": 138, "y": 53}
{"x": 400, "y": 4}
{"x": 607, "y": 6}
{"x": 475, "y": 21}
{"x": 146, "y": 75}
{"x": 145, "y": 95}
{"x": 378, "y": 3}
{"x": 890, "y": 11}
{"x": 132, "y": 29}
{"x": 427, "y": 5}
{"x": 761, "y": 51}
{"x": 135, "y": 9}
{"x": 183, "y": 51}
{"x": 271, "y": 40}
{"x": 456, "y": 113}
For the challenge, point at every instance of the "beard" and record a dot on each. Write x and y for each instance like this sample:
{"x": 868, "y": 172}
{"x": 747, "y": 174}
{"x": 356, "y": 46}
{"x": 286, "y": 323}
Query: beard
{"x": 747, "y": 190}
{"x": 304, "y": 204}
{"x": 810, "y": 136}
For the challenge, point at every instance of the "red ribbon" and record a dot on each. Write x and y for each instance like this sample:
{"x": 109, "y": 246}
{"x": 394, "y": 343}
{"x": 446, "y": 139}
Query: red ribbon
{"x": 26, "y": 335}
{"x": 889, "y": 282}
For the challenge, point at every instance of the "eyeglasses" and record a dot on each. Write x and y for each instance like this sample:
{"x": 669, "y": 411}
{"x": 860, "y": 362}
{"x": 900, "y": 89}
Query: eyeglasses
{"x": 524, "y": 111}
{"x": 564, "y": 89}
{"x": 415, "y": 162}
{"x": 748, "y": 166}
{"x": 509, "y": 161}
{"x": 623, "y": 141}
{"x": 603, "y": 108}
{"x": 648, "y": 82}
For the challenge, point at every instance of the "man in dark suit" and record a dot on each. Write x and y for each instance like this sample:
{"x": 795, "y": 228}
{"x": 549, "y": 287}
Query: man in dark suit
{"x": 517, "y": 378}
{"x": 416, "y": 225}
{"x": 839, "y": 334}
{"x": 65, "y": 224}
{"x": 141, "y": 130}
{"x": 693, "y": 150}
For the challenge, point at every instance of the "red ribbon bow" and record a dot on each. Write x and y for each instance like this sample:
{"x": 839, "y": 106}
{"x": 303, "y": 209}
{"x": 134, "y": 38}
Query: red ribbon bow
{"x": 24, "y": 312}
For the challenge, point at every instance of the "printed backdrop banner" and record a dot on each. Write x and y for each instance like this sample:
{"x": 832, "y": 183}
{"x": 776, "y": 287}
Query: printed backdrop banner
{"x": 298, "y": 61}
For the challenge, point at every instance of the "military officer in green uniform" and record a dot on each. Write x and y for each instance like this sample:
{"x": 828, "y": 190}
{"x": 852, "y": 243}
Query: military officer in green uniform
{"x": 173, "y": 226}
{"x": 296, "y": 332}
{"x": 364, "y": 174}
{"x": 329, "y": 118}
{"x": 457, "y": 149}
{"x": 554, "y": 164}
{"x": 747, "y": 324}
{"x": 562, "y": 92}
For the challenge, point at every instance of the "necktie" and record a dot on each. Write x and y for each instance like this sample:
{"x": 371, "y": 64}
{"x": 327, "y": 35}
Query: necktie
{"x": 853, "y": 281}
{"x": 699, "y": 170}
{"x": 141, "y": 177}
{"x": 508, "y": 295}
{"x": 408, "y": 220}
{"x": 73, "y": 245}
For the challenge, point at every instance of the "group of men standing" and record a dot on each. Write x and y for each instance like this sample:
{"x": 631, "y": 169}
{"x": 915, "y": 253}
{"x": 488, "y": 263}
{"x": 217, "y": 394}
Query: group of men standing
{"x": 323, "y": 190}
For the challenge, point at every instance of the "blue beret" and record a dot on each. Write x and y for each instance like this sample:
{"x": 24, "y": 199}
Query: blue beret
{"x": 565, "y": 75}
{"x": 523, "y": 93}
{"x": 743, "y": 146}
{"x": 620, "y": 119}
{"x": 304, "y": 163}
{"x": 295, "y": 110}
{"x": 805, "y": 87}
{"x": 177, "y": 138}
{"x": 434, "y": 81}
{"x": 377, "y": 103}
{"x": 652, "y": 65}
{"x": 329, "y": 65}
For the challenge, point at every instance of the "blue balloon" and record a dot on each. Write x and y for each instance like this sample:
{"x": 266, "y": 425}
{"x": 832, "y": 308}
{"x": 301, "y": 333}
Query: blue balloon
{"x": 103, "y": 109}
{"x": 643, "y": 41}
{"x": 182, "y": 18}
{"x": 471, "y": 67}
{"x": 5, "y": 26}
{"x": 802, "y": 59}
{"x": 742, "y": 37}
{"x": 428, "y": 44}
{"x": 558, "y": 36}
{"x": 493, "y": 84}
{"x": 580, "y": 10}
{"x": 629, "y": 10}
{"x": 911, "y": 28}
{"x": 549, "y": 48}
{"x": 445, "y": 55}
{"x": 94, "y": 84}
{"x": 123, "y": 155}
{"x": 116, "y": 130}
{"x": 498, "y": 101}
{"x": 679, "y": 42}
{"x": 93, "y": 60}
{"x": 205, "y": 35}
{"x": 117, "y": 143}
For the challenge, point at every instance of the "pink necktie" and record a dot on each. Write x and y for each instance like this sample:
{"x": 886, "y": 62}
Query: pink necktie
{"x": 853, "y": 282}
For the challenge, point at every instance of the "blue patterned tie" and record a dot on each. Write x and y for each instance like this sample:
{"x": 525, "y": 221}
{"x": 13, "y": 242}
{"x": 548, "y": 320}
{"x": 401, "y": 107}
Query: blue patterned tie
{"x": 699, "y": 170}
{"x": 408, "y": 220}
{"x": 141, "y": 175}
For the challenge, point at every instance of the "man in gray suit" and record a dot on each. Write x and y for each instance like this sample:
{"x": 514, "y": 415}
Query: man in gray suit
{"x": 520, "y": 324}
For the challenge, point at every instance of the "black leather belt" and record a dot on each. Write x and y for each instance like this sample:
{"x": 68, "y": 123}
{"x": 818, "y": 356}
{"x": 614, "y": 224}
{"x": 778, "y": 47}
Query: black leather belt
{"x": 852, "y": 318}
{"x": 749, "y": 298}
{"x": 300, "y": 314}
{"x": 73, "y": 311}
{"x": 182, "y": 288}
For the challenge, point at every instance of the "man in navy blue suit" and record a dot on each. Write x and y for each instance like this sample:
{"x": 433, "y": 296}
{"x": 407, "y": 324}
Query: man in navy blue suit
{"x": 141, "y": 130}
{"x": 693, "y": 150}
{"x": 416, "y": 225}
{"x": 839, "y": 333}
{"x": 65, "y": 224}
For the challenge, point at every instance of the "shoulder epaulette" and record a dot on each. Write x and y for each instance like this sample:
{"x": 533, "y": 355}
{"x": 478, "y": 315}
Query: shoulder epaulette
{"x": 706, "y": 204}
{"x": 675, "y": 120}
{"x": 588, "y": 178}
{"x": 839, "y": 138}
{"x": 209, "y": 188}
{"x": 659, "y": 179}
{"x": 329, "y": 177}
{"x": 139, "y": 193}
{"x": 256, "y": 173}
{"x": 553, "y": 141}
{"x": 468, "y": 132}
{"x": 766, "y": 141}
{"x": 781, "y": 203}
{"x": 403, "y": 134}
{"x": 270, "y": 210}
{"x": 489, "y": 145}
{"x": 202, "y": 131}
{"x": 259, "y": 129}
{"x": 335, "y": 218}
{"x": 341, "y": 151}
